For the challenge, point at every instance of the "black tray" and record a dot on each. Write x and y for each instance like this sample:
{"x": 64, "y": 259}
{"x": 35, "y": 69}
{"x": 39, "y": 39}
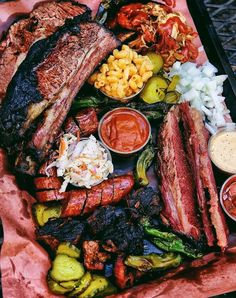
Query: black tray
{"x": 214, "y": 50}
{"x": 216, "y": 56}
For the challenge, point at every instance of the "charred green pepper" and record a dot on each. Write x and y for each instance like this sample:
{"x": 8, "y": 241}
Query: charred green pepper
{"x": 143, "y": 163}
{"x": 170, "y": 242}
{"x": 154, "y": 262}
{"x": 153, "y": 115}
{"x": 87, "y": 102}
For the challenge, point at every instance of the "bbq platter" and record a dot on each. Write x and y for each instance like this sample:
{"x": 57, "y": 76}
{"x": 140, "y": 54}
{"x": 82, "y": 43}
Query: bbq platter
{"x": 117, "y": 150}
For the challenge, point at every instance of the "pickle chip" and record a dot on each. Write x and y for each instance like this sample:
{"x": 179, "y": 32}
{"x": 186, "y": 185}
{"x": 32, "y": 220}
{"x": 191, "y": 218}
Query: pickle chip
{"x": 65, "y": 268}
{"x": 154, "y": 91}
{"x": 97, "y": 285}
{"x": 38, "y": 210}
{"x": 66, "y": 248}
{"x": 156, "y": 60}
{"x": 51, "y": 212}
{"x": 82, "y": 285}
{"x": 55, "y": 287}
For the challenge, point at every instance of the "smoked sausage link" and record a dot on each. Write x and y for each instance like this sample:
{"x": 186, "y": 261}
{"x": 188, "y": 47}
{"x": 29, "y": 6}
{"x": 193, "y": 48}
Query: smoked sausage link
{"x": 111, "y": 191}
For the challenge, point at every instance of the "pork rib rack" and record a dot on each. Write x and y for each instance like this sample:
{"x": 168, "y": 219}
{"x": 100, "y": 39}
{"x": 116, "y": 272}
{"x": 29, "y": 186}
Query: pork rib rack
{"x": 187, "y": 184}
{"x": 47, "y": 82}
{"x": 41, "y": 23}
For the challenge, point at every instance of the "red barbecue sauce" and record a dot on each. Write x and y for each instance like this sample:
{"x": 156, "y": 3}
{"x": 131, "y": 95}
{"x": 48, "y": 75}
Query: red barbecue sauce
{"x": 124, "y": 130}
{"x": 229, "y": 197}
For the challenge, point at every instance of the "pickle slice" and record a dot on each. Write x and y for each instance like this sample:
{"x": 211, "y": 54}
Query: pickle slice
{"x": 66, "y": 248}
{"x": 65, "y": 268}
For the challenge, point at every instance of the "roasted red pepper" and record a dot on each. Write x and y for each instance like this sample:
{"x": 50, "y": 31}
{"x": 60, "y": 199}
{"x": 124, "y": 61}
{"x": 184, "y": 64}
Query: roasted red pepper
{"x": 132, "y": 16}
{"x": 123, "y": 278}
{"x": 171, "y": 3}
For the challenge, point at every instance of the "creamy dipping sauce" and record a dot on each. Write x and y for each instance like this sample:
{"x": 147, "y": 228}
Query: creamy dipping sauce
{"x": 222, "y": 150}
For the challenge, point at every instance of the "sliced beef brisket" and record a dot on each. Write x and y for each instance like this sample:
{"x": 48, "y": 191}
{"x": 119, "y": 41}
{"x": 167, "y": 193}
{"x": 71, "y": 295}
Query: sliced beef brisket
{"x": 190, "y": 200}
{"x": 80, "y": 54}
{"x": 41, "y": 23}
{"x": 178, "y": 193}
{"x": 208, "y": 202}
{"x": 45, "y": 85}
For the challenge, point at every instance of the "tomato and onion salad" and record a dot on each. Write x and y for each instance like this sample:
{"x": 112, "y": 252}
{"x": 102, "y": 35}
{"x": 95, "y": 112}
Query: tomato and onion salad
{"x": 228, "y": 197}
{"x": 124, "y": 130}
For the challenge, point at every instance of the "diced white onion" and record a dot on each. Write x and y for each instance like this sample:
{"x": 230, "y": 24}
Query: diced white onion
{"x": 202, "y": 89}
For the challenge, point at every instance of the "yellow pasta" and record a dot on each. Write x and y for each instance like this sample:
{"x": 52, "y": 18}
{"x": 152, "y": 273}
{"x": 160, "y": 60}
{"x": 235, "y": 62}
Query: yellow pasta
{"x": 138, "y": 61}
{"x": 122, "y": 54}
{"x": 104, "y": 68}
{"x": 133, "y": 85}
{"x": 93, "y": 78}
{"x": 101, "y": 77}
{"x": 99, "y": 84}
{"x": 138, "y": 80}
{"x": 143, "y": 68}
{"x": 124, "y": 74}
{"x": 123, "y": 63}
{"x": 132, "y": 69}
{"x": 115, "y": 73}
{"x": 110, "y": 59}
{"x": 120, "y": 91}
{"x": 147, "y": 75}
{"x": 112, "y": 79}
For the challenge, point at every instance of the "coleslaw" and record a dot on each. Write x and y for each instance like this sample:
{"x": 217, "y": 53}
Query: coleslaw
{"x": 83, "y": 163}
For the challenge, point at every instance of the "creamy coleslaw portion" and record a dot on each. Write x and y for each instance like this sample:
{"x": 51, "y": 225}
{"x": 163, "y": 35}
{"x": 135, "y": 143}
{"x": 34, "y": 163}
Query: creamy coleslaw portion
{"x": 83, "y": 163}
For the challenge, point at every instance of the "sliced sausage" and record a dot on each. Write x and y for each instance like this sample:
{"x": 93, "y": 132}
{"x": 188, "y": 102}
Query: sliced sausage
{"x": 50, "y": 195}
{"x": 74, "y": 205}
{"x": 43, "y": 183}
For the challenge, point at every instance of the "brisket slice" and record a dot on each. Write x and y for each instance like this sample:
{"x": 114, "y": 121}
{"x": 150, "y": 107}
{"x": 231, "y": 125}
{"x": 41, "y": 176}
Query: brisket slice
{"x": 41, "y": 23}
{"x": 208, "y": 201}
{"x": 184, "y": 165}
{"x": 68, "y": 66}
{"x": 194, "y": 154}
{"x": 26, "y": 97}
{"x": 176, "y": 181}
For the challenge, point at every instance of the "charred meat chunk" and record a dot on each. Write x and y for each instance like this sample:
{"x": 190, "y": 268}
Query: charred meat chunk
{"x": 70, "y": 230}
{"x": 144, "y": 202}
{"x": 123, "y": 277}
{"x": 94, "y": 259}
{"x": 42, "y": 90}
{"x": 113, "y": 226}
{"x": 127, "y": 237}
{"x": 103, "y": 218}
